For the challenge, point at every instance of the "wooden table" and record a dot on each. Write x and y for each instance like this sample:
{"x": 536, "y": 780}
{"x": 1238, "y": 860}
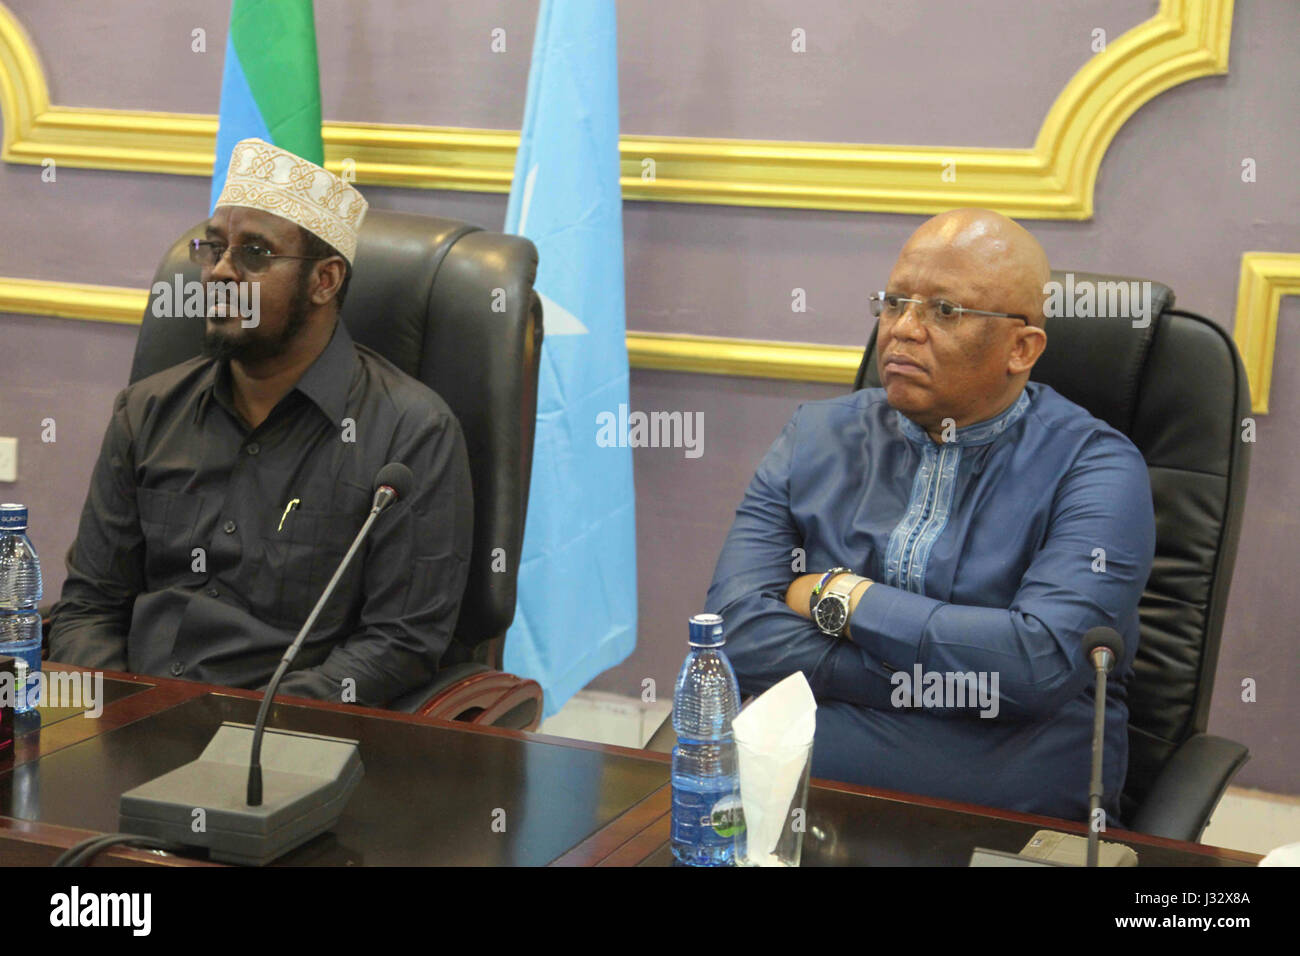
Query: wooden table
{"x": 859, "y": 826}
{"x": 434, "y": 792}
{"x": 443, "y": 793}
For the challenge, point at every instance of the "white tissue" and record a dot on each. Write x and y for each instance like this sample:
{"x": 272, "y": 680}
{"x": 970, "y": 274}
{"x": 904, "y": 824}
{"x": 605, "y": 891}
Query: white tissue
{"x": 1288, "y": 855}
{"x": 776, "y": 730}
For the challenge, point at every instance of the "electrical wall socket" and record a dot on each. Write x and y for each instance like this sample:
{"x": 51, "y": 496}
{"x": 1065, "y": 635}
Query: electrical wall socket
{"x": 8, "y": 459}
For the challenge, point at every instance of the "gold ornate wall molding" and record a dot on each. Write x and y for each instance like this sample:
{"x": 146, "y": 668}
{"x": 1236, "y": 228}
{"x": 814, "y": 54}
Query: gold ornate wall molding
{"x": 1054, "y": 179}
{"x": 751, "y": 358}
{"x": 791, "y": 361}
{"x": 73, "y": 300}
{"x": 1265, "y": 278}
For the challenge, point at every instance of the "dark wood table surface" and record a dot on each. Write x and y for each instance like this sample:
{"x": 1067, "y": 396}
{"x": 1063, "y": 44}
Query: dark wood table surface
{"x": 443, "y": 793}
{"x": 434, "y": 792}
{"x": 858, "y": 826}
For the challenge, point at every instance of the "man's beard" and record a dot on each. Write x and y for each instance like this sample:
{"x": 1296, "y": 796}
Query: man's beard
{"x": 251, "y": 350}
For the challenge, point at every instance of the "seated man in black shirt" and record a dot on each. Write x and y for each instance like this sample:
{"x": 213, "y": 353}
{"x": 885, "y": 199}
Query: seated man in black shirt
{"x": 229, "y": 487}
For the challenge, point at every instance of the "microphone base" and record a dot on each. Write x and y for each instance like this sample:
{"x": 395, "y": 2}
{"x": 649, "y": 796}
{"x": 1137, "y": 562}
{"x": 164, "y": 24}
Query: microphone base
{"x": 1054, "y": 848}
{"x": 307, "y": 781}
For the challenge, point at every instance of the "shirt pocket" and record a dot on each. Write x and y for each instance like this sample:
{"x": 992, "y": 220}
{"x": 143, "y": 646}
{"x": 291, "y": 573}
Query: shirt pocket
{"x": 167, "y": 522}
{"x": 296, "y": 562}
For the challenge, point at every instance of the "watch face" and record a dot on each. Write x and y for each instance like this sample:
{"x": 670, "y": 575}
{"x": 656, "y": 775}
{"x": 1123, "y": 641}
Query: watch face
{"x": 831, "y": 614}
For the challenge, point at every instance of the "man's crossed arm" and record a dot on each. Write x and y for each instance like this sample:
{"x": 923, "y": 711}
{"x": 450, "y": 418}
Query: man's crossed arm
{"x": 1033, "y": 645}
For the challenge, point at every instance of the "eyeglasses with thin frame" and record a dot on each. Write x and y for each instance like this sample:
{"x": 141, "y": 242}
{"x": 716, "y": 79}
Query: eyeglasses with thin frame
{"x": 247, "y": 257}
{"x": 936, "y": 313}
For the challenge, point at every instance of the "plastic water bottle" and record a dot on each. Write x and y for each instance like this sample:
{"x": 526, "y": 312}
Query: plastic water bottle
{"x": 706, "y": 797}
{"x": 20, "y": 597}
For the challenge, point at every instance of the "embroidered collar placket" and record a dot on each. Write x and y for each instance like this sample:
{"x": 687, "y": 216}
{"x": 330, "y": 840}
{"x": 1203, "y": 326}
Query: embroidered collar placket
{"x": 930, "y": 503}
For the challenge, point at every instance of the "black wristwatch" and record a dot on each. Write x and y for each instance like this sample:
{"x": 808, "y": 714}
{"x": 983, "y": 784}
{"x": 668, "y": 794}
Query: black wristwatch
{"x": 820, "y": 586}
{"x": 831, "y": 612}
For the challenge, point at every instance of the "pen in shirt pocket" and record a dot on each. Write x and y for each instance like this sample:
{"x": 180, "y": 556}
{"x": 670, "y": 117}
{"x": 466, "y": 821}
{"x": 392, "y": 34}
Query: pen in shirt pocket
{"x": 287, "y": 508}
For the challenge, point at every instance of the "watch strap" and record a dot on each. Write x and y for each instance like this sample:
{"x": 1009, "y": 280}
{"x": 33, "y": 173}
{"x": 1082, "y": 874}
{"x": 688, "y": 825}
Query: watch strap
{"x": 821, "y": 584}
{"x": 847, "y": 588}
{"x": 844, "y": 592}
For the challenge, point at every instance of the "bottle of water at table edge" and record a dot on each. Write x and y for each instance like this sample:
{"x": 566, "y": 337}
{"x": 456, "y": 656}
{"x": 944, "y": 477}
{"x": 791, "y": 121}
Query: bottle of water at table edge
{"x": 706, "y": 798}
{"x": 20, "y": 597}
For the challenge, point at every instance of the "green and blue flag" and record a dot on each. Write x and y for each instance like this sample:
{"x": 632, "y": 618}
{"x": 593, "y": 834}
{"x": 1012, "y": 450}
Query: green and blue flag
{"x": 270, "y": 88}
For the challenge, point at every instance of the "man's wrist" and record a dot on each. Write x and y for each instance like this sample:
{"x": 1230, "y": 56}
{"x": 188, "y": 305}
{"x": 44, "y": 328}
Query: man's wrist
{"x": 800, "y": 595}
{"x": 856, "y": 594}
{"x": 823, "y": 585}
{"x": 858, "y": 587}
{"x": 839, "y": 585}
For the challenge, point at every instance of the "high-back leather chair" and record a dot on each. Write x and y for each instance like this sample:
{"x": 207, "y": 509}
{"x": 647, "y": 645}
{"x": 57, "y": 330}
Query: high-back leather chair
{"x": 424, "y": 294}
{"x": 1178, "y": 390}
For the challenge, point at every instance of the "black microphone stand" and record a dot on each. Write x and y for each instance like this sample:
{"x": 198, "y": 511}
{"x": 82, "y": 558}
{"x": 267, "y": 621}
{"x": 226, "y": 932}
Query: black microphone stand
{"x": 382, "y": 498}
{"x": 1101, "y": 658}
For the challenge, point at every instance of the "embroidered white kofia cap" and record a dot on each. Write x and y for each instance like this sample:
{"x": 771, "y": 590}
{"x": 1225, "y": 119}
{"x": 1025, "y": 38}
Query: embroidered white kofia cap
{"x": 274, "y": 180}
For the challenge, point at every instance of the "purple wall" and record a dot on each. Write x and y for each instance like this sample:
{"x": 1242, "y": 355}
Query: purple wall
{"x": 1170, "y": 205}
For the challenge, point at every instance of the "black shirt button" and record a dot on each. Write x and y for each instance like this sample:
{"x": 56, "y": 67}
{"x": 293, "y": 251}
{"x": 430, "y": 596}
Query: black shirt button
{"x": 229, "y": 527}
{"x": 254, "y": 448}
{"x": 177, "y": 668}
{"x": 212, "y": 592}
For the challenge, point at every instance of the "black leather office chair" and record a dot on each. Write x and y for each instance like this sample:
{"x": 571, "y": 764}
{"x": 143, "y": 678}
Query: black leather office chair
{"x": 1178, "y": 390}
{"x": 422, "y": 295}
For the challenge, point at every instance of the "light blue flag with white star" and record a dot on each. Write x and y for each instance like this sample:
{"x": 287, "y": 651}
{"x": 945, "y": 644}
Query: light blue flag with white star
{"x": 576, "y": 614}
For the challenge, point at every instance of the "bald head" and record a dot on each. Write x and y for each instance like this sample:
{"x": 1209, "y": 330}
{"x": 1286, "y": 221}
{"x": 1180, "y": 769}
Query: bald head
{"x": 1001, "y": 257}
{"x": 968, "y": 368}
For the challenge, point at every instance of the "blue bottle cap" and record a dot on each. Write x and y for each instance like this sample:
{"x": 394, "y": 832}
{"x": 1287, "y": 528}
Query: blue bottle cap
{"x": 13, "y": 517}
{"x": 706, "y": 631}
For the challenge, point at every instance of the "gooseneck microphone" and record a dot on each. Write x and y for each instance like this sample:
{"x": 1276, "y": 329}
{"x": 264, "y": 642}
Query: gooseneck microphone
{"x": 392, "y": 483}
{"x": 1103, "y": 647}
{"x": 309, "y": 777}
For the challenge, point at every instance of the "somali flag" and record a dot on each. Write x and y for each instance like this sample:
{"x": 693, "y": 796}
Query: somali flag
{"x": 577, "y": 580}
{"x": 271, "y": 85}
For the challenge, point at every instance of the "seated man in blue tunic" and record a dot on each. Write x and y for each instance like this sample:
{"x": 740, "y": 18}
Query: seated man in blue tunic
{"x": 962, "y": 528}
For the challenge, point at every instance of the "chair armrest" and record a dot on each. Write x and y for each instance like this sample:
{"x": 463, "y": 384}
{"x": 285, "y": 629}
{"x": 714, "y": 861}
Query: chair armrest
{"x": 413, "y": 701}
{"x": 1184, "y": 795}
{"x": 476, "y": 694}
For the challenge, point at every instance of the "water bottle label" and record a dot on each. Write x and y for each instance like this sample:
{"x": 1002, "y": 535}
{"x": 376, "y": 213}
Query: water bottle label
{"x": 13, "y": 518}
{"x": 727, "y": 818}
